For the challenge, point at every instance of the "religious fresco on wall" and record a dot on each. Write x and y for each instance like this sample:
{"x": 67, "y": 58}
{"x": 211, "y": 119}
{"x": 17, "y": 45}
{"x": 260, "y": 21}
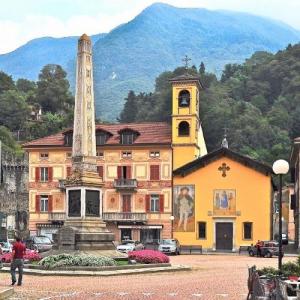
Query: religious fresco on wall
{"x": 224, "y": 202}
{"x": 184, "y": 208}
{"x": 113, "y": 202}
{"x": 140, "y": 202}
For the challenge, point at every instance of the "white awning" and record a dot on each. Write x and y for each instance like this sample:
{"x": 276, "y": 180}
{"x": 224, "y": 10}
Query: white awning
{"x": 140, "y": 226}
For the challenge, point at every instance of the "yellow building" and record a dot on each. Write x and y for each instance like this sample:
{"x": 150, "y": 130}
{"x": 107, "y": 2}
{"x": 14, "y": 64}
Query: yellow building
{"x": 222, "y": 201}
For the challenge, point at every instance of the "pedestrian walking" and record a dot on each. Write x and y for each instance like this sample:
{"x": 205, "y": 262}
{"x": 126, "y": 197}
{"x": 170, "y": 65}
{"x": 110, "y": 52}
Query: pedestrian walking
{"x": 18, "y": 252}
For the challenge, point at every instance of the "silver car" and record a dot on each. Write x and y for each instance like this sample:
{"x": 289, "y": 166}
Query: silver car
{"x": 130, "y": 245}
{"x": 171, "y": 246}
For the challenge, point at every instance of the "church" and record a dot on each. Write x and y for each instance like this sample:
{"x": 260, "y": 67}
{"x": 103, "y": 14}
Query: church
{"x": 158, "y": 181}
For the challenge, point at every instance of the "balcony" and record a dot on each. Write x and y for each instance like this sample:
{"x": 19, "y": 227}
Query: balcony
{"x": 57, "y": 216}
{"x": 125, "y": 184}
{"x": 128, "y": 216}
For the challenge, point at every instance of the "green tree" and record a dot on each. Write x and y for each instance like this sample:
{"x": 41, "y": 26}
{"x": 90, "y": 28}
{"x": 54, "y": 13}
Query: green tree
{"x": 130, "y": 110}
{"x": 53, "y": 93}
{"x": 6, "y": 82}
{"x": 14, "y": 110}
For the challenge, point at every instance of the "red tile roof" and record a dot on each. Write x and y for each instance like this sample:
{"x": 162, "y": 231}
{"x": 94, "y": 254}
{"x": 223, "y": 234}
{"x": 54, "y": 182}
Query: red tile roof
{"x": 149, "y": 133}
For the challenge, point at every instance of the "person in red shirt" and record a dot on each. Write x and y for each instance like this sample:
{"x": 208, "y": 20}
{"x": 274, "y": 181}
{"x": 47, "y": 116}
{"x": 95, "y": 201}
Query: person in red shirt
{"x": 18, "y": 253}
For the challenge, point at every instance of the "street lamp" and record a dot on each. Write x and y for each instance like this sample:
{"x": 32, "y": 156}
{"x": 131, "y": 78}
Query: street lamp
{"x": 280, "y": 167}
{"x": 172, "y": 220}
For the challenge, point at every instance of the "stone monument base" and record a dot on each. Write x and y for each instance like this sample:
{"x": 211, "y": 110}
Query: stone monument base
{"x": 84, "y": 234}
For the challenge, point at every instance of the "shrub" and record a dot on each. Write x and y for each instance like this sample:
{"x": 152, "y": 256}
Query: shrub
{"x": 62, "y": 260}
{"x": 288, "y": 269}
{"x": 30, "y": 255}
{"x": 148, "y": 257}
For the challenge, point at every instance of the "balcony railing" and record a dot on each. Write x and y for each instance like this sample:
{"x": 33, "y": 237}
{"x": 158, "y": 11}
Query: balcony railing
{"x": 57, "y": 216}
{"x": 124, "y": 216}
{"x": 127, "y": 184}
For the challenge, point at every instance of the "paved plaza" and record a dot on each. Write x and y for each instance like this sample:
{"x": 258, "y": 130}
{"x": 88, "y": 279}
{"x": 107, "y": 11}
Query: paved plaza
{"x": 212, "y": 277}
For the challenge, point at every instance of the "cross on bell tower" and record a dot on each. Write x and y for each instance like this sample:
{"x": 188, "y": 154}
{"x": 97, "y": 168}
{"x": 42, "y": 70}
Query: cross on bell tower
{"x": 186, "y": 60}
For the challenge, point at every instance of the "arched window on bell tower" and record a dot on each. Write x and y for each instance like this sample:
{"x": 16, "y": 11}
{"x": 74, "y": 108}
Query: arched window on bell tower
{"x": 184, "y": 98}
{"x": 184, "y": 129}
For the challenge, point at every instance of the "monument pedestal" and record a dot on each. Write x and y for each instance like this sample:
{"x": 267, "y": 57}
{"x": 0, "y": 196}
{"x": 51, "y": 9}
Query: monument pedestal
{"x": 84, "y": 228}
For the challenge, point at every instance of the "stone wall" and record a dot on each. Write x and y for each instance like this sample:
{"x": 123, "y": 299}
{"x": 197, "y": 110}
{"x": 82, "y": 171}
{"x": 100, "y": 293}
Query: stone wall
{"x": 14, "y": 196}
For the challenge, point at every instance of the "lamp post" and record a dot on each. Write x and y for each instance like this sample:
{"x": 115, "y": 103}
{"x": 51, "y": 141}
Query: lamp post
{"x": 172, "y": 220}
{"x": 280, "y": 167}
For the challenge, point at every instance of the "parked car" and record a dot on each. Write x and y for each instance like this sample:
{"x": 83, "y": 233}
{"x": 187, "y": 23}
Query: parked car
{"x": 268, "y": 249}
{"x": 39, "y": 243}
{"x": 6, "y": 247}
{"x": 130, "y": 245}
{"x": 171, "y": 246}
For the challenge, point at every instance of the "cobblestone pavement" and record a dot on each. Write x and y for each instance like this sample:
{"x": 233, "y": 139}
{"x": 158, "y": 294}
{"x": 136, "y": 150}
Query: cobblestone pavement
{"x": 213, "y": 277}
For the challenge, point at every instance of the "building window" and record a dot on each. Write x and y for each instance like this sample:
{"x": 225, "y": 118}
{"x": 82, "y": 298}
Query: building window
{"x": 154, "y": 154}
{"x": 101, "y": 139}
{"x": 44, "y": 155}
{"x": 44, "y": 204}
{"x": 247, "y": 231}
{"x": 69, "y": 139}
{"x": 154, "y": 203}
{"x": 127, "y": 154}
{"x": 44, "y": 174}
{"x": 154, "y": 172}
{"x": 100, "y": 154}
{"x": 184, "y": 129}
{"x": 184, "y": 98}
{"x": 127, "y": 136}
{"x": 124, "y": 172}
{"x": 201, "y": 230}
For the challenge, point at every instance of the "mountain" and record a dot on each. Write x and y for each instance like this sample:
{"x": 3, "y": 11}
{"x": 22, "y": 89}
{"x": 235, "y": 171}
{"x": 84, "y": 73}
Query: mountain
{"x": 27, "y": 60}
{"x": 133, "y": 54}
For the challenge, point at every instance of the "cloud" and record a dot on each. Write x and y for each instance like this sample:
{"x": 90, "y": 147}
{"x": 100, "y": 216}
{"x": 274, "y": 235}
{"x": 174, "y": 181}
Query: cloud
{"x": 95, "y": 16}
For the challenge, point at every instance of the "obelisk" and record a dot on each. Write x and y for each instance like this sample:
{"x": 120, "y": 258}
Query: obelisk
{"x": 84, "y": 186}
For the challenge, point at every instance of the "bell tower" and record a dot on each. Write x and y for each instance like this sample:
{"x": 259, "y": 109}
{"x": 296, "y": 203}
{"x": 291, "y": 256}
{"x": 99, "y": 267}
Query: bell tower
{"x": 187, "y": 136}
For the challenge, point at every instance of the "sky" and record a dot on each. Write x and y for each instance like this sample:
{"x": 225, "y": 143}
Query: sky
{"x": 23, "y": 20}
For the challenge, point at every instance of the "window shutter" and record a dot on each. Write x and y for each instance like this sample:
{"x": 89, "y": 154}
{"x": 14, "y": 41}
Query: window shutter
{"x": 50, "y": 203}
{"x": 147, "y": 203}
{"x": 37, "y": 203}
{"x": 100, "y": 171}
{"x": 50, "y": 174}
{"x": 154, "y": 172}
{"x": 69, "y": 170}
{"x": 37, "y": 174}
{"x": 161, "y": 203}
{"x": 128, "y": 172}
{"x": 119, "y": 172}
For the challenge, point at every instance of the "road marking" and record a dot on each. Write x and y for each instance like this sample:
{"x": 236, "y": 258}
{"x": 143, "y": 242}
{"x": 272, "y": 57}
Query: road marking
{"x": 60, "y": 296}
{"x": 122, "y": 294}
{"x": 172, "y": 294}
{"x": 222, "y": 295}
{"x": 197, "y": 295}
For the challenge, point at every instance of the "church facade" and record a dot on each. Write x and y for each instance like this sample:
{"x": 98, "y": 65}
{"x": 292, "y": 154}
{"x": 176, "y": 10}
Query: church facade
{"x": 222, "y": 201}
{"x": 158, "y": 181}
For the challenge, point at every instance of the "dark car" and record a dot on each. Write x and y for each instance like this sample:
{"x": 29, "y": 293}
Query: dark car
{"x": 39, "y": 243}
{"x": 268, "y": 249}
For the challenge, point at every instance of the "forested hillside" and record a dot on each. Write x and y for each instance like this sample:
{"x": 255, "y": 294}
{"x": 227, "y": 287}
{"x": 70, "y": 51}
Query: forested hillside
{"x": 258, "y": 101}
{"x": 22, "y": 100}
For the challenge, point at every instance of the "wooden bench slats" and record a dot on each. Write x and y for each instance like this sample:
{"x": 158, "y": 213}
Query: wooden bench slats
{"x": 191, "y": 248}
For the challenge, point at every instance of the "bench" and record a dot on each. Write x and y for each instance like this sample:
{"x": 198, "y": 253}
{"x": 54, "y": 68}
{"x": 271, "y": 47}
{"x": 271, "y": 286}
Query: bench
{"x": 191, "y": 249}
{"x": 243, "y": 249}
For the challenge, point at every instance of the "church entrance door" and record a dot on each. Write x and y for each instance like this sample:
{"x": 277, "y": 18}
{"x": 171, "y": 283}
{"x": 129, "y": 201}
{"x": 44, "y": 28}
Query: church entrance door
{"x": 224, "y": 235}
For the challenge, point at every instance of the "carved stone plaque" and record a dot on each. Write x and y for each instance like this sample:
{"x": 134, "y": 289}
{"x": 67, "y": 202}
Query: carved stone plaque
{"x": 66, "y": 236}
{"x": 92, "y": 203}
{"x": 74, "y": 203}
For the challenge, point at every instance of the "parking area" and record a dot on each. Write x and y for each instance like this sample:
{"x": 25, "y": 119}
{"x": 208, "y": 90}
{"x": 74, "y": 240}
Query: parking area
{"x": 213, "y": 277}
